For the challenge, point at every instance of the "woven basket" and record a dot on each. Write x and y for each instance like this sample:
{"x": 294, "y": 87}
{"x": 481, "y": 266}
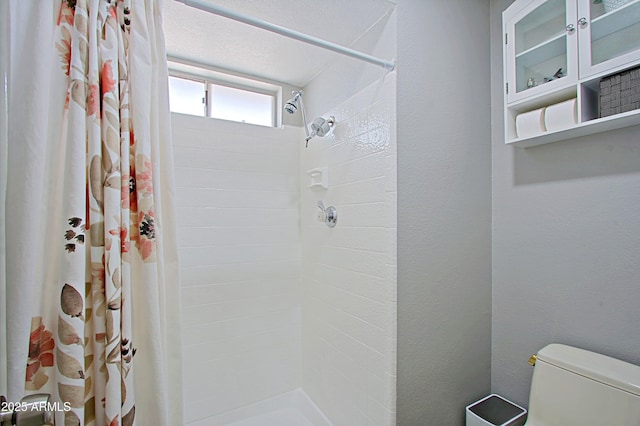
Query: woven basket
{"x": 620, "y": 92}
{"x": 610, "y": 5}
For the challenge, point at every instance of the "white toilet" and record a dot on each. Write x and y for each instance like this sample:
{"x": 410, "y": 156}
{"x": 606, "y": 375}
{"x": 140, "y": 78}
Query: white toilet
{"x": 574, "y": 387}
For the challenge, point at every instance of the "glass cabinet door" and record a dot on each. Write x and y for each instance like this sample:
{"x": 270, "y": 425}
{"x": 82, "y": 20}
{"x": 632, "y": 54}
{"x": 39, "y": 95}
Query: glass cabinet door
{"x": 609, "y": 34}
{"x": 541, "y": 48}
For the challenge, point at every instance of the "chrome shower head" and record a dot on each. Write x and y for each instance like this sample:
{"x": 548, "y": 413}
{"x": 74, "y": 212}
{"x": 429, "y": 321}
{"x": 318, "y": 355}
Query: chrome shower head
{"x": 322, "y": 126}
{"x": 291, "y": 106}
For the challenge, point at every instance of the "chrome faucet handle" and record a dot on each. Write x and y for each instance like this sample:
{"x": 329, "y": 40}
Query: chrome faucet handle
{"x": 327, "y": 215}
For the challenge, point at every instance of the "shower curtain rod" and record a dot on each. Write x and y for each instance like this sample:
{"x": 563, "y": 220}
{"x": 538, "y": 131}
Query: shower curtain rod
{"x": 227, "y": 13}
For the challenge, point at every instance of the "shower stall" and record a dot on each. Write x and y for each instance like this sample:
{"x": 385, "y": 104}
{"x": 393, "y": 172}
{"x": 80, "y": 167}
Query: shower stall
{"x": 286, "y": 320}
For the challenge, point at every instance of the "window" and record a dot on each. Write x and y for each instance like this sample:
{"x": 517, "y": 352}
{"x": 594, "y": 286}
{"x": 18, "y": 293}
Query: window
{"x": 228, "y": 102}
{"x": 241, "y": 105}
{"x": 187, "y": 96}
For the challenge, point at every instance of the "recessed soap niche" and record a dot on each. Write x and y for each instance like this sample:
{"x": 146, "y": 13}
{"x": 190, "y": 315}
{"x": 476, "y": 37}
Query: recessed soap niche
{"x": 318, "y": 178}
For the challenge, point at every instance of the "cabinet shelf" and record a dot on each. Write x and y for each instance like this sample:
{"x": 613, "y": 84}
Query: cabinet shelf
{"x": 599, "y": 125}
{"x": 547, "y": 49}
{"x": 559, "y": 94}
{"x": 616, "y": 20}
{"x": 541, "y": 62}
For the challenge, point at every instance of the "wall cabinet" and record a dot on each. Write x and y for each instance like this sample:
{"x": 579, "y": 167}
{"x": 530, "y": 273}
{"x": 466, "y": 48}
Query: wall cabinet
{"x": 555, "y": 53}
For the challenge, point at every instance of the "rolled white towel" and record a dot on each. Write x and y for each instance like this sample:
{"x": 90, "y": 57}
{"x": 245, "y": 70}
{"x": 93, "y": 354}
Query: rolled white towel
{"x": 561, "y": 116}
{"x": 531, "y": 123}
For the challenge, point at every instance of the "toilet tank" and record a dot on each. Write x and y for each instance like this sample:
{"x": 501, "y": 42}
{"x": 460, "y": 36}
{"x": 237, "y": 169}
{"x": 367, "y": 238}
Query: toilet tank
{"x": 574, "y": 387}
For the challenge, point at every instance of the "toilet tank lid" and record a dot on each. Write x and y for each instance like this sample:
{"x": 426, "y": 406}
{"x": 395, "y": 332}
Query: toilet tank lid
{"x": 611, "y": 371}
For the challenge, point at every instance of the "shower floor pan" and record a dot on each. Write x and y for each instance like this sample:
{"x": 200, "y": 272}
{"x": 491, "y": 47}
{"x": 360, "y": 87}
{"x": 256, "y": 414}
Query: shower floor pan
{"x": 293, "y": 408}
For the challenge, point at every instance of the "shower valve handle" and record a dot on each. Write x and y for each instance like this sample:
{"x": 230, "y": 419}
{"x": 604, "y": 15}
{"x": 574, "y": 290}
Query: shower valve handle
{"x": 322, "y": 214}
{"x": 327, "y": 215}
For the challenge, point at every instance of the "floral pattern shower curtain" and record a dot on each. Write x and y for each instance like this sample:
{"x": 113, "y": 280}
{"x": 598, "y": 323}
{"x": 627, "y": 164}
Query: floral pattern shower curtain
{"x": 103, "y": 319}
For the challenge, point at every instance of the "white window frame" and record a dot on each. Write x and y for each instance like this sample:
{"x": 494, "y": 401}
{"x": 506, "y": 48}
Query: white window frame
{"x": 275, "y": 93}
{"x": 197, "y": 80}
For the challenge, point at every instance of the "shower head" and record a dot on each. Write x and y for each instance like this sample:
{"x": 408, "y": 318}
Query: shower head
{"x": 322, "y": 126}
{"x": 292, "y": 104}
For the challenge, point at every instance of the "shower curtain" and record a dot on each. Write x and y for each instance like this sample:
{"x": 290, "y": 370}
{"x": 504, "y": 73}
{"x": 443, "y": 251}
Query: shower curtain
{"x": 91, "y": 304}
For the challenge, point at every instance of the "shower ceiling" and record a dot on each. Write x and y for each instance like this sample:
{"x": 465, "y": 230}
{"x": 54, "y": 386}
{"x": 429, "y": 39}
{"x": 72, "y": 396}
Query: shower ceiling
{"x": 223, "y": 43}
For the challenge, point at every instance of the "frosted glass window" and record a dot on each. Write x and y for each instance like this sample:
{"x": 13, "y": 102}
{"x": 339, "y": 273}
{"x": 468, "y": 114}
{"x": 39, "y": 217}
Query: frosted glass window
{"x": 187, "y": 96}
{"x": 240, "y": 105}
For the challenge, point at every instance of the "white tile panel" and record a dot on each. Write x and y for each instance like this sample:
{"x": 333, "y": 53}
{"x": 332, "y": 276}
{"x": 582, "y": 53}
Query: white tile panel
{"x": 238, "y": 308}
{"x": 239, "y": 235}
{"x": 349, "y": 272}
{"x": 236, "y": 198}
{"x": 214, "y": 216}
{"x": 239, "y": 242}
{"x": 258, "y": 323}
{"x": 234, "y": 272}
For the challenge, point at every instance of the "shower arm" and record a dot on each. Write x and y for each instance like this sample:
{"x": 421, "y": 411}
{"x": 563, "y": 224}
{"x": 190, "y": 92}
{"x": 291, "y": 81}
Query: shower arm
{"x": 304, "y": 121}
{"x": 296, "y": 35}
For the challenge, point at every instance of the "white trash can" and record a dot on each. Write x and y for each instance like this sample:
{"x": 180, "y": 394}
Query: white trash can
{"x": 494, "y": 410}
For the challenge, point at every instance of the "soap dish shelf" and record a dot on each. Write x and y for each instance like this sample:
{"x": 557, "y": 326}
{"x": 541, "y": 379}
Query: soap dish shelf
{"x": 318, "y": 178}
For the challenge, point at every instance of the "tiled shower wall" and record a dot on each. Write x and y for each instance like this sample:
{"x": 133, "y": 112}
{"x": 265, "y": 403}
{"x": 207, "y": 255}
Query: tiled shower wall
{"x": 349, "y": 272}
{"x": 239, "y": 242}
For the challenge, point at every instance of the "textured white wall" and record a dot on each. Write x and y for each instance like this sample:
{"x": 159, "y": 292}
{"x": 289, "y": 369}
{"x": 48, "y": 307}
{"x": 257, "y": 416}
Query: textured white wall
{"x": 444, "y": 208}
{"x": 566, "y": 243}
{"x": 349, "y": 272}
{"x": 238, "y": 229}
